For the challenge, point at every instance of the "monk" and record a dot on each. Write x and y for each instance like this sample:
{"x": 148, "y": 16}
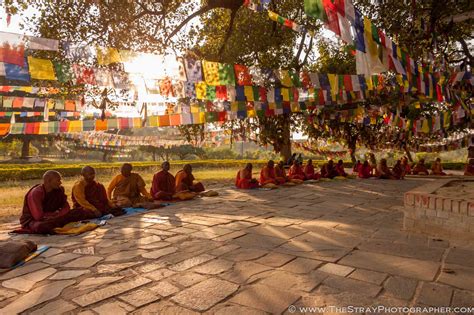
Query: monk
{"x": 420, "y": 168}
{"x": 398, "y": 170}
{"x": 185, "y": 180}
{"x": 469, "y": 169}
{"x": 340, "y": 169}
{"x": 406, "y": 166}
{"x": 164, "y": 184}
{"x": 45, "y": 207}
{"x": 328, "y": 170}
{"x": 373, "y": 163}
{"x": 127, "y": 189}
{"x": 89, "y": 195}
{"x": 296, "y": 171}
{"x": 310, "y": 172}
{"x": 267, "y": 175}
{"x": 280, "y": 173}
{"x": 355, "y": 168}
{"x": 437, "y": 168}
{"x": 244, "y": 179}
{"x": 365, "y": 170}
{"x": 383, "y": 171}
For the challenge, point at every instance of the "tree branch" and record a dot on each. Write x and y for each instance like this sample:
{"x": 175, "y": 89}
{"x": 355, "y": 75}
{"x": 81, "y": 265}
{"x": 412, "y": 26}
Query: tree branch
{"x": 466, "y": 51}
{"x": 202, "y": 10}
{"x": 228, "y": 33}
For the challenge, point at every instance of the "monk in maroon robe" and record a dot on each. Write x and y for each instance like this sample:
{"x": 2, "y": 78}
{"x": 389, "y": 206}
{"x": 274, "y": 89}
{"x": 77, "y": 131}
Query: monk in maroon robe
{"x": 329, "y": 170}
{"x": 469, "y": 169}
{"x": 365, "y": 170}
{"x": 309, "y": 171}
{"x": 420, "y": 168}
{"x": 340, "y": 169}
{"x": 296, "y": 171}
{"x": 45, "y": 207}
{"x": 163, "y": 186}
{"x": 244, "y": 179}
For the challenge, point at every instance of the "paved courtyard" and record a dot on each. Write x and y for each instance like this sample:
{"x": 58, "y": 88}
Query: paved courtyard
{"x": 247, "y": 252}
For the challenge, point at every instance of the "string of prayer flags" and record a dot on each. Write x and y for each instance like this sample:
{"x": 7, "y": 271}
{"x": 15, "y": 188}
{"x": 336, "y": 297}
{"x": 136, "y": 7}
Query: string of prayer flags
{"x": 285, "y": 22}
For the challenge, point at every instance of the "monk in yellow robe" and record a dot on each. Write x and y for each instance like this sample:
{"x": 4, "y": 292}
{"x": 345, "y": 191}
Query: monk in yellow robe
{"x": 185, "y": 180}
{"x": 90, "y": 195}
{"x": 244, "y": 179}
{"x": 127, "y": 189}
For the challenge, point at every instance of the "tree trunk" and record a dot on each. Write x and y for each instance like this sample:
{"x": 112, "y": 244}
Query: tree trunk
{"x": 25, "y": 148}
{"x": 352, "y": 152}
{"x": 408, "y": 154}
{"x": 285, "y": 145}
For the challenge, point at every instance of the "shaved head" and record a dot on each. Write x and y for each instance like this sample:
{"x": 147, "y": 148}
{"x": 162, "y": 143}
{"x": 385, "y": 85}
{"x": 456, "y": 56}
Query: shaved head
{"x": 165, "y": 166}
{"x": 188, "y": 168}
{"x": 87, "y": 170}
{"x": 126, "y": 169}
{"x": 51, "y": 174}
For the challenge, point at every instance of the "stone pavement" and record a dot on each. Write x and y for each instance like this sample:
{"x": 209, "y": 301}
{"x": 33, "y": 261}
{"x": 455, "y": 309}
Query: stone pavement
{"x": 247, "y": 252}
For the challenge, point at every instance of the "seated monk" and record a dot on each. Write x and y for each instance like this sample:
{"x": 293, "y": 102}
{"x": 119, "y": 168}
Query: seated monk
{"x": 469, "y": 169}
{"x": 185, "y": 180}
{"x": 45, "y": 207}
{"x": 383, "y": 171}
{"x": 296, "y": 171}
{"x": 328, "y": 170}
{"x": 398, "y": 171}
{"x": 365, "y": 170}
{"x": 267, "y": 175}
{"x": 420, "y": 168}
{"x": 406, "y": 166}
{"x": 89, "y": 195}
{"x": 355, "y": 168}
{"x": 280, "y": 173}
{"x": 163, "y": 186}
{"x": 309, "y": 171}
{"x": 437, "y": 168}
{"x": 244, "y": 178}
{"x": 127, "y": 189}
{"x": 340, "y": 169}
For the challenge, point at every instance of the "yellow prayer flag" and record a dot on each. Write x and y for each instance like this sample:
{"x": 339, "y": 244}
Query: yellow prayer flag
{"x": 272, "y": 106}
{"x": 370, "y": 84}
{"x": 285, "y": 78}
{"x": 285, "y": 94}
{"x": 194, "y": 108}
{"x": 43, "y": 129}
{"x": 153, "y": 121}
{"x": 137, "y": 122}
{"x": 201, "y": 90}
{"x": 251, "y": 113}
{"x": 234, "y": 106}
{"x": 248, "y": 92}
{"x": 211, "y": 72}
{"x": 273, "y": 16}
{"x": 295, "y": 107}
{"x": 75, "y": 126}
{"x": 41, "y": 69}
{"x": 425, "y": 127}
{"x": 333, "y": 82}
{"x": 107, "y": 55}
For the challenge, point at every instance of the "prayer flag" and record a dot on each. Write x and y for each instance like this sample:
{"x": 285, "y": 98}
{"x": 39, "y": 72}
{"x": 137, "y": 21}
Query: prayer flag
{"x": 41, "y": 69}
{"x": 107, "y": 55}
{"x": 226, "y": 74}
{"x": 40, "y": 43}
{"x": 211, "y": 72}
{"x": 16, "y": 72}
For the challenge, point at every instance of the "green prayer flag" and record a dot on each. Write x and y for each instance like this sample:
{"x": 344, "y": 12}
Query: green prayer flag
{"x": 375, "y": 33}
{"x": 295, "y": 78}
{"x": 226, "y": 74}
{"x": 63, "y": 71}
{"x": 315, "y": 8}
{"x": 210, "y": 92}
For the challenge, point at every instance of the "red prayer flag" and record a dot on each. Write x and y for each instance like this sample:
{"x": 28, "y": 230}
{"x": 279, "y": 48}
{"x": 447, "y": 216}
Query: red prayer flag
{"x": 221, "y": 92}
{"x": 333, "y": 21}
{"x": 348, "y": 82}
{"x": 242, "y": 75}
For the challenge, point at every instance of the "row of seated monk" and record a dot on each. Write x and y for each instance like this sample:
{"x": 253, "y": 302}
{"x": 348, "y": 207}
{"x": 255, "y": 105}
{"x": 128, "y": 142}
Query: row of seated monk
{"x": 276, "y": 174}
{"x": 46, "y": 206}
{"x": 402, "y": 168}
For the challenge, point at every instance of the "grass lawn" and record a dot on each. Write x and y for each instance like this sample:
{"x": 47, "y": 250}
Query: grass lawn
{"x": 12, "y": 193}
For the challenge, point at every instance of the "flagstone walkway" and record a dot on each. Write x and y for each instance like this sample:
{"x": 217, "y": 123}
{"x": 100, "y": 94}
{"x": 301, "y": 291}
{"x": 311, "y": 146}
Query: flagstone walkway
{"x": 247, "y": 252}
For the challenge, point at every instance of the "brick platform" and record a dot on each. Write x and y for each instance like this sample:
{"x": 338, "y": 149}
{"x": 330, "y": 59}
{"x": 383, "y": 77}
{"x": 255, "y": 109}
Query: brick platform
{"x": 439, "y": 215}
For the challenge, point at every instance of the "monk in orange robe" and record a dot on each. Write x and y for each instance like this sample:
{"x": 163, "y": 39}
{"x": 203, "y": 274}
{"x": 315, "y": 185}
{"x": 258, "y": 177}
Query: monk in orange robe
{"x": 90, "y": 195}
{"x": 267, "y": 174}
{"x": 383, "y": 171}
{"x": 340, "y": 169}
{"x": 244, "y": 178}
{"x": 163, "y": 185}
{"x": 365, "y": 170}
{"x": 469, "y": 170}
{"x": 309, "y": 171}
{"x": 296, "y": 171}
{"x": 437, "y": 168}
{"x": 185, "y": 180}
{"x": 127, "y": 189}
{"x": 280, "y": 173}
{"x": 420, "y": 168}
